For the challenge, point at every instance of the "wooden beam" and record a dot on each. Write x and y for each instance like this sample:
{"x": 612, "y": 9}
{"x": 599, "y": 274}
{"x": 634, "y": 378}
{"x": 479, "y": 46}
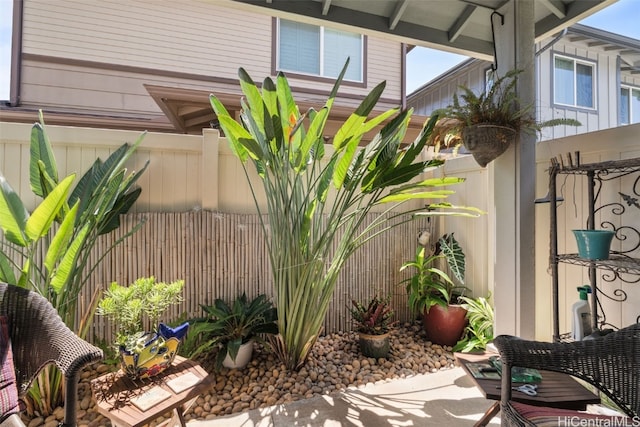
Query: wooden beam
{"x": 326, "y": 4}
{"x": 401, "y": 6}
{"x": 556, "y": 7}
{"x": 596, "y": 44}
{"x": 574, "y": 38}
{"x": 206, "y": 117}
{"x": 462, "y": 21}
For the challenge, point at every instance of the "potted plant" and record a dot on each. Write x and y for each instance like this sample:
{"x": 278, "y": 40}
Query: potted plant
{"x": 232, "y": 329}
{"x": 486, "y": 124}
{"x": 143, "y": 353}
{"x": 479, "y": 331}
{"x": 373, "y": 324}
{"x": 431, "y": 290}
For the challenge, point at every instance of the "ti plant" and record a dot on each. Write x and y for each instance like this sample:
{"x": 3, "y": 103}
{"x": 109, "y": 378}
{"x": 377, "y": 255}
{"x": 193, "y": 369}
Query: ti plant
{"x": 479, "y": 331}
{"x": 375, "y": 317}
{"x": 50, "y": 249}
{"x": 318, "y": 198}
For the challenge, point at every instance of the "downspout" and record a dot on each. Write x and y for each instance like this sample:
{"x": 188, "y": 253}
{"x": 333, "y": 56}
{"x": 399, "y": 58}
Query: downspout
{"x": 403, "y": 76}
{"x": 16, "y": 54}
{"x": 552, "y": 42}
{"x": 545, "y": 48}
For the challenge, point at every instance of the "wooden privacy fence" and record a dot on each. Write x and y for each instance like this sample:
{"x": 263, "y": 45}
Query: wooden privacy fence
{"x": 221, "y": 255}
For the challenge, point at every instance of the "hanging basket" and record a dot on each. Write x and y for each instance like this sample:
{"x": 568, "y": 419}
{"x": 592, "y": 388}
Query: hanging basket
{"x": 487, "y": 142}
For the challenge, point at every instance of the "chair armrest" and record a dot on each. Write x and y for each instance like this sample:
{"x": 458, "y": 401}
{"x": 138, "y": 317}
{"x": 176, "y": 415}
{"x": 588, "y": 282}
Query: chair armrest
{"x": 40, "y": 337}
{"x": 610, "y": 363}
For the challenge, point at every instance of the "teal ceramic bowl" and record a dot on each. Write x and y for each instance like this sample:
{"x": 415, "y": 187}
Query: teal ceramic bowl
{"x": 593, "y": 244}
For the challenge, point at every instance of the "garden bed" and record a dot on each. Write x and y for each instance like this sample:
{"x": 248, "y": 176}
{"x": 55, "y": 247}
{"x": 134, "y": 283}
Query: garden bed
{"x": 334, "y": 365}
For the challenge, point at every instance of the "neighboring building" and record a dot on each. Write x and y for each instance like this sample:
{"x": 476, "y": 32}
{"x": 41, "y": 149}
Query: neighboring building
{"x": 151, "y": 65}
{"x": 584, "y": 73}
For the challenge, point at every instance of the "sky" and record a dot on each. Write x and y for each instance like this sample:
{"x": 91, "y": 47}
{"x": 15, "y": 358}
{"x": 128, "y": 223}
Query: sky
{"x": 422, "y": 64}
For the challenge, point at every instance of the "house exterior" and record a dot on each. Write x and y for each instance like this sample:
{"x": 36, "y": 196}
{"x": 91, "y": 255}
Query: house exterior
{"x": 150, "y": 65}
{"x": 584, "y": 73}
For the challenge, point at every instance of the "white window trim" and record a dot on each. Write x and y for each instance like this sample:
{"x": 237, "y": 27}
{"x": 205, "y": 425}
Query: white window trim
{"x": 322, "y": 74}
{"x": 631, "y": 88}
{"x": 575, "y": 91}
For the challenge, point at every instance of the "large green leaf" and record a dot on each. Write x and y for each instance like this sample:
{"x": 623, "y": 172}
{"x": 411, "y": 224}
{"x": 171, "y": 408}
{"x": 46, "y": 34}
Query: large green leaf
{"x": 353, "y": 125}
{"x": 401, "y": 197}
{"x": 270, "y": 98}
{"x": 414, "y": 150}
{"x": 111, "y": 220}
{"x": 65, "y": 268}
{"x": 41, "y": 151}
{"x": 13, "y": 214}
{"x": 454, "y": 255}
{"x": 47, "y": 182}
{"x": 61, "y": 239}
{"x": 315, "y": 133}
{"x": 40, "y": 221}
{"x": 7, "y": 274}
{"x": 241, "y": 137}
{"x": 238, "y": 149}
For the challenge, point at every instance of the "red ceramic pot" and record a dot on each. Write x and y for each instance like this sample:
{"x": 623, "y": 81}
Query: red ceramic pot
{"x": 445, "y": 325}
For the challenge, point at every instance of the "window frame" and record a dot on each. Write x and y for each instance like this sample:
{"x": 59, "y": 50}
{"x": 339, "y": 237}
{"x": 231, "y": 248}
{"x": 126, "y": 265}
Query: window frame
{"x": 630, "y": 88}
{"x": 594, "y": 86}
{"x": 275, "y": 59}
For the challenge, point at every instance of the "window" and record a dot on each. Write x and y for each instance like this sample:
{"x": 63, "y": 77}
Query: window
{"x": 319, "y": 51}
{"x": 573, "y": 82}
{"x": 489, "y": 78}
{"x": 629, "y": 105}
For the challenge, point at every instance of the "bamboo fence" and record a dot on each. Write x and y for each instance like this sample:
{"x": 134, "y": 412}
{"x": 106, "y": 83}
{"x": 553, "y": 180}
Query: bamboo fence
{"x": 221, "y": 255}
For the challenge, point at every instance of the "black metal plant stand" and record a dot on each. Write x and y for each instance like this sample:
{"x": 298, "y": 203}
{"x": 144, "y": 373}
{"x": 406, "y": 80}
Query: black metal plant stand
{"x": 620, "y": 214}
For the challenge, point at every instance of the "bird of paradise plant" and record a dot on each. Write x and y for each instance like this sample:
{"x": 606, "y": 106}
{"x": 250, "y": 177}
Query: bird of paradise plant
{"x": 50, "y": 249}
{"x": 310, "y": 235}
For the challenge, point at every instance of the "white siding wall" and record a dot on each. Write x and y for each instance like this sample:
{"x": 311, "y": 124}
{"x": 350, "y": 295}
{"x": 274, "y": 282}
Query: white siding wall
{"x": 440, "y": 94}
{"x": 604, "y": 116}
{"x": 188, "y": 172}
{"x": 610, "y": 144}
{"x": 198, "y": 37}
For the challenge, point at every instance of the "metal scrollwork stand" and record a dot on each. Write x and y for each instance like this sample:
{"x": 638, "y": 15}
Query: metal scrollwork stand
{"x": 616, "y": 209}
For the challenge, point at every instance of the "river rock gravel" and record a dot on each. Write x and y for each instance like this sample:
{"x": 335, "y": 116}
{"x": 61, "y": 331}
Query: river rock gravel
{"x": 334, "y": 365}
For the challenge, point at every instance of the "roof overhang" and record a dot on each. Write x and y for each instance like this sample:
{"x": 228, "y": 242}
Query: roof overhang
{"x": 458, "y": 26}
{"x": 189, "y": 110}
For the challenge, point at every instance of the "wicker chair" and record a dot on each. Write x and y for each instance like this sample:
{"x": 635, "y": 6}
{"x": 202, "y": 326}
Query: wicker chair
{"x": 39, "y": 337}
{"x": 610, "y": 363}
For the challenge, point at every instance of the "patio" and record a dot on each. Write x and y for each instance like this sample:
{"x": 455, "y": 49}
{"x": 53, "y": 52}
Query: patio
{"x": 517, "y": 280}
{"x": 445, "y": 398}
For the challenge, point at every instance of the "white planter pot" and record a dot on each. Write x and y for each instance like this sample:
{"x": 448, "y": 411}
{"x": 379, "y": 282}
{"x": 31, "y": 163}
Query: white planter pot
{"x": 242, "y": 358}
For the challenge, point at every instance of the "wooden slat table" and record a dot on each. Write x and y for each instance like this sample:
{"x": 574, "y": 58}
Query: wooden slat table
{"x": 556, "y": 390}
{"x": 115, "y": 393}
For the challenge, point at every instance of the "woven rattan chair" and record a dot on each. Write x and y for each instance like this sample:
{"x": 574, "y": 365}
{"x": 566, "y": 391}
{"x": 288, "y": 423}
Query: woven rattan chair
{"x": 611, "y": 363}
{"x": 40, "y": 337}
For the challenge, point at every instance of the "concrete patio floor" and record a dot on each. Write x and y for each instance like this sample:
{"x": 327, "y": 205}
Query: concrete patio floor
{"x": 446, "y": 398}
